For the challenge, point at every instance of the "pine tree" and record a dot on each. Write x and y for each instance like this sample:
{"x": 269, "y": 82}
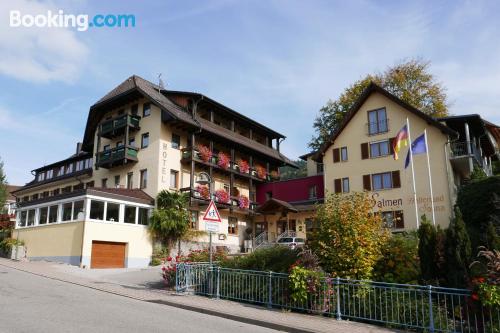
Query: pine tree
{"x": 458, "y": 253}
{"x": 427, "y": 250}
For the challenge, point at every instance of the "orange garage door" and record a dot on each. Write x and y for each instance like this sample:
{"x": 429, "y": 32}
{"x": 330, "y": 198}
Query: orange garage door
{"x": 107, "y": 255}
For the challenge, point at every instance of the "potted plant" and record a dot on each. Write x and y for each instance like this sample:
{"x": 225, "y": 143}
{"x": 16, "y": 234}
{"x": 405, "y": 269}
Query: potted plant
{"x": 222, "y": 196}
{"x": 243, "y": 202}
{"x": 261, "y": 171}
{"x": 223, "y": 160}
{"x": 243, "y": 166}
{"x": 275, "y": 175}
{"x": 205, "y": 153}
{"x": 203, "y": 191}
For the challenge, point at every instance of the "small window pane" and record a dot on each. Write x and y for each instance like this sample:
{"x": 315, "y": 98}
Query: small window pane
{"x": 176, "y": 141}
{"x": 113, "y": 212}
{"x": 384, "y": 148}
{"x": 44, "y": 211}
{"x": 343, "y": 153}
{"x": 194, "y": 219}
{"x": 129, "y": 214}
{"x": 67, "y": 211}
{"x": 374, "y": 150}
{"x": 96, "y": 210}
{"x": 143, "y": 216}
{"x": 31, "y": 217}
{"x": 345, "y": 185}
{"x": 22, "y": 221}
{"x": 377, "y": 182}
{"x": 146, "y": 110}
{"x": 53, "y": 214}
{"x": 78, "y": 210}
{"x": 387, "y": 180}
{"x": 145, "y": 140}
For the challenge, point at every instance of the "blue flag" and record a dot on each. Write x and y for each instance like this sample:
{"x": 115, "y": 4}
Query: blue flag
{"x": 417, "y": 147}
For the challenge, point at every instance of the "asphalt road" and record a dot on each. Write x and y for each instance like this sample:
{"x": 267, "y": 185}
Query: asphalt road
{"x": 30, "y": 303}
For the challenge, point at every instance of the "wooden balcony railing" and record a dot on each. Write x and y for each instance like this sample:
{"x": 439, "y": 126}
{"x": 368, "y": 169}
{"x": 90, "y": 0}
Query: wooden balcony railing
{"x": 117, "y": 156}
{"x": 116, "y": 127}
{"x": 234, "y": 201}
{"x": 253, "y": 171}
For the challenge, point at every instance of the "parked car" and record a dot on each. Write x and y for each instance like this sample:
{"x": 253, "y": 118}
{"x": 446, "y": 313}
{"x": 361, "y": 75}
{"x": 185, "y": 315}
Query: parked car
{"x": 291, "y": 242}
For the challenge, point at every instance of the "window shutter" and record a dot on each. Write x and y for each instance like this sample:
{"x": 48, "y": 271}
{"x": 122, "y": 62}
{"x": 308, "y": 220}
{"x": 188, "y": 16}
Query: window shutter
{"x": 400, "y": 221}
{"x": 364, "y": 151}
{"x": 337, "y": 185}
{"x": 367, "y": 183}
{"x": 396, "y": 180}
{"x": 336, "y": 155}
{"x": 391, "y": 147}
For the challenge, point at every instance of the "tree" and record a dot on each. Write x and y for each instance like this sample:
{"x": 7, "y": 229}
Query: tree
{"x": 350, "y": 238}
{"x": 458, "y": 253}
{"x": 427, "y": 250}
{"x": 288, "y": 172}
{"x": 3, "y": 187}
{"x": 170, "y": 219}
{"x": 410, "y": 81}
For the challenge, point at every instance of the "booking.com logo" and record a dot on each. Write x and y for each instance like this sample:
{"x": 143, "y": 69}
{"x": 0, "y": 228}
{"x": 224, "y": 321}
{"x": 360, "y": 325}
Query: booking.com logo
{"x": 81, "y": 22}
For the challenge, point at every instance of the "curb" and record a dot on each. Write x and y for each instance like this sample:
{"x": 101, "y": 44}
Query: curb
{"x": 237, "y": 318}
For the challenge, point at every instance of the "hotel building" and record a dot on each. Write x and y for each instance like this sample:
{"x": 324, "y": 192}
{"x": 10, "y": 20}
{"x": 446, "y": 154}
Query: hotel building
{"x": 92, "y": 208}
{"x": 359, "y": 157}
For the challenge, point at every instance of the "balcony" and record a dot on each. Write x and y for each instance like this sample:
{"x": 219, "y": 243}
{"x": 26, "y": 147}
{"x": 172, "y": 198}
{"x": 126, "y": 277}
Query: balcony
{"x": 202, "y": 196}
{"x": 460, "y": 154}
{"x": 117, "y": 156}
{"x": 116, "y": 127}
{"x": 241, "y": 169}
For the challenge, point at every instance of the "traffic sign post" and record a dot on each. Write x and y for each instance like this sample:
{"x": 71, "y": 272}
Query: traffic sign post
{"x": 212, "y": 223}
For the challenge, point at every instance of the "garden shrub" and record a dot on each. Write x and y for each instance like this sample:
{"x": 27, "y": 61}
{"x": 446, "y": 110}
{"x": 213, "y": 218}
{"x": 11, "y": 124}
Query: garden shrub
{"x": 8, "y": 243}
{"x": 277, "y": 259}
{"x": 458, "y": 253}
{"x": 399, "y": 262}
{"x": 427, "y": 236}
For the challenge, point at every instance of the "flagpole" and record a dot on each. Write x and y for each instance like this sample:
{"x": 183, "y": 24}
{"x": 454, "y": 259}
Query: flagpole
{"x": 430, "y": 178}
{"x": 412, "y": 172}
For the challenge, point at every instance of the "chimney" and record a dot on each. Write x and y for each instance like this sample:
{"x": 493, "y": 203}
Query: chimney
{"x": 78, "y": 148}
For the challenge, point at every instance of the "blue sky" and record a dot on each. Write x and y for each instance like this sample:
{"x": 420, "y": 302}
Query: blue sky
{"x": 275, "y": 61}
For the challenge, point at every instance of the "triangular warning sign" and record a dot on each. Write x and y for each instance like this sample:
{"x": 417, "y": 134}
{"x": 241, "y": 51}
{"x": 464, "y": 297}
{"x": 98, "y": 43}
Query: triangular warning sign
{"x": 212, "y": 214}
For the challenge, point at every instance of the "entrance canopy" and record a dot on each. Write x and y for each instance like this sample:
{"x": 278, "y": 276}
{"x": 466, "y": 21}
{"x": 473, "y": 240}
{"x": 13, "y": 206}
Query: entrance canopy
{"x": 273, "y": 206}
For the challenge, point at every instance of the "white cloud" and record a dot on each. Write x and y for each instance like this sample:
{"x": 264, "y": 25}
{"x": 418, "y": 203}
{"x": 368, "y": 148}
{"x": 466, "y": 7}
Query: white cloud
{"x": 39, "y": 54}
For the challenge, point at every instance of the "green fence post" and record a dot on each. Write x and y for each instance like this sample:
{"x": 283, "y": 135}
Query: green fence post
{"x": 218, "y": 282}
{"x": 337, "y": 282}
{"x": 270, "y": 291}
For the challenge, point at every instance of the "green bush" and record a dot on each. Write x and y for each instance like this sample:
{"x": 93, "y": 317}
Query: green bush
{"x": 458, "y": 253}
{"x": 427, "y": 251}
{"x": 399, "y": 262}
{"x": 277, "y": 259}
{"x": 479, "y": 203}
{"x": 8, "y": 243}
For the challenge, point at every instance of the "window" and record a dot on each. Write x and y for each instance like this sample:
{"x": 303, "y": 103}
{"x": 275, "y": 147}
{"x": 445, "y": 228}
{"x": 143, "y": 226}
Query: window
{"x": 104, "y": 182}
{"x": 78, "y": 210}
{"x": 313, "y": 192}
{"x": 69, "y": 168}
{"x": 146, "y": 109}
{"x": 343, "y": 154}
{"x": 232, "y": 226}
{"x": 106, "y": 147}
{"x": 134, "y": 109}
{"x": 143, "y": 216}
{"x": 393, "y": 219}
{"x": 382, "y": 181}
{"x": 117, "y": 181}
{"x": 22, "y": 218}
{"x": 45, "y": 194}
{"x": 311, "y": 225}
{"x": 31, "y": 217}
{"x": 377, "y": 121}
{"x": 193, "y": 219}
{"x": 56, "y": 191}
{"x": 119, "y": 144}
{"x": 130, "y": 180}
{"x": 88, "y": 163}
{"x": 144, "y": 179}
{"x": 50, "y": 174}
{"x": 53, "y": 214}
{"x": 96, "y": 210}
{"x": 66, "y": 211}
{"x": 41, "y": 176}
{"x": 319, "y": 168}
{"x": 380, "y": 148}
{"x": 78, "y": 187}
{"x": 90, "y": 184}
{"x": 129, "y": 216}
{"x": 345, "y": 185}
{"x": 34, "y": 196}
{"x": 79, "y": 165}
{"x": 145, "y": 140}
{"x": 113, "y": 212}
{"x": 131, "y": 142}
{"x": 60, "y": 172}
{"x": 43, "y": 213}
{"x": 174, "y": 176}
{"x": 176, "y": 141}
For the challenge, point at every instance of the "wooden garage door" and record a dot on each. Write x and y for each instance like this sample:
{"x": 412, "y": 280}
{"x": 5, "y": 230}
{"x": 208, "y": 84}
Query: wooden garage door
{"x": 107, "y": 255}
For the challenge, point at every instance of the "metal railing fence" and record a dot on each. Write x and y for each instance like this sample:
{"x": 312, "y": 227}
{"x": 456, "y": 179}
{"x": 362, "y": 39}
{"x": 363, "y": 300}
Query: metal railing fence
{"x": 427, "y": 308}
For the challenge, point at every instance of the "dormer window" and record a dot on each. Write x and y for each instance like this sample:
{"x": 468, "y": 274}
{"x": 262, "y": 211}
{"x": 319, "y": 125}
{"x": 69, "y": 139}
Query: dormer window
{"x": 41, "y": 176}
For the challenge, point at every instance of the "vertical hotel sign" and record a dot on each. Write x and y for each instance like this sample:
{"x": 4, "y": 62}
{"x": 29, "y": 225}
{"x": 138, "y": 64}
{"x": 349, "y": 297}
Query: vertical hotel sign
{"x": 164, "y": 149}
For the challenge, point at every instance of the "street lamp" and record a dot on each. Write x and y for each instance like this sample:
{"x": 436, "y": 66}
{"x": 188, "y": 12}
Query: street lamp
{"x": 205, "y": 179}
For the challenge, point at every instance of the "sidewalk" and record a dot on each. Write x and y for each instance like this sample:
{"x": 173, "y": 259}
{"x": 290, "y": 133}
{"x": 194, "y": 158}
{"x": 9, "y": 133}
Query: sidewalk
{"x": 261, "y": 316}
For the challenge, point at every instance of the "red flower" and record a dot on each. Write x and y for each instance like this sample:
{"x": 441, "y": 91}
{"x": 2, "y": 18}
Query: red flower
{"x": 480, "y": 280}
{"x": 475, "y": 297}
{"x": 169, "y": 258}
{"x": 164, "y": 268}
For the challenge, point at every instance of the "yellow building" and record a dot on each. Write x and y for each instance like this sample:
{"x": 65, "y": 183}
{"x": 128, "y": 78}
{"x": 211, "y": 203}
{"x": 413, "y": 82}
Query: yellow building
{"x": 140, "y": 138}
{"x": 359, "y": 157}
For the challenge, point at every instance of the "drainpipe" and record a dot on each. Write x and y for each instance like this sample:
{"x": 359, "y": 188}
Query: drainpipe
{"x": 468, "y": 146}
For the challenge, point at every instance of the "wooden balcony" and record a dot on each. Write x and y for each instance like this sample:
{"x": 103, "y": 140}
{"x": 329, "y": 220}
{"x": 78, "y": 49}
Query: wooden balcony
{"x": 233, "y": 203}
{"x": 117, "y": 156}
{"x": 188, "y": 156}
{"x": 116, "y": 127}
